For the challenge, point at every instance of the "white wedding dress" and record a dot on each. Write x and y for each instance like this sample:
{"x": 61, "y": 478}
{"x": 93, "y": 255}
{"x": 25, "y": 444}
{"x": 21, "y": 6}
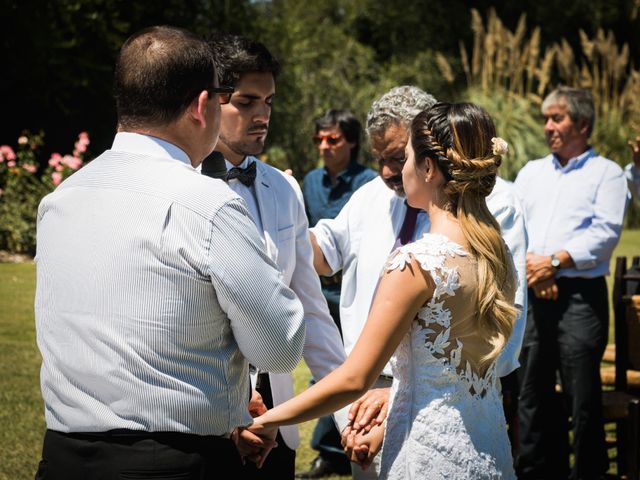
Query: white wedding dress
{"x": 446, "y": 419}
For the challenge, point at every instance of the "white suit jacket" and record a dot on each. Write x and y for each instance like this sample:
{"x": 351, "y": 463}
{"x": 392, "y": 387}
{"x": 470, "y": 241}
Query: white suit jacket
{"x": 286, "y": 235}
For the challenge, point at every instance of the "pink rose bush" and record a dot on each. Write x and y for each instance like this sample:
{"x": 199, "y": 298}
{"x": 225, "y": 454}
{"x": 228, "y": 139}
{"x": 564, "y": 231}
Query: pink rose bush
{"x": 7, "y": 153}
{"x": 61, "y": 166}
{"x": 24, "y": 179}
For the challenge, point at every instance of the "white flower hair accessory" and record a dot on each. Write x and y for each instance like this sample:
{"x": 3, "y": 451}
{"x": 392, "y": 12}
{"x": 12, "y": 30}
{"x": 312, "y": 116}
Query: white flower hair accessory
{"x": 500, "y": 146}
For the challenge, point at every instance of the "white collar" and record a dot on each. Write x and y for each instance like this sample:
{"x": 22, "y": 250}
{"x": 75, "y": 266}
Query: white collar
{"x": 148, "y": 145}
{"x": 244, "y": 164}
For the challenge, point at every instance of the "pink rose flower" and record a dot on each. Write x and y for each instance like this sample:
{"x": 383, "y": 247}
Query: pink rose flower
{"x": 56, "y": 178}
{"x": 7, "y": 152}
{"x": 59, "y": 167}
{"x": 30, "y": 167}
{"x": 11, "y": 163}
{"x": 23, "y": 140}
{"x": 84, "y": 138}
{"x": 79, "y": 147}
{"x": 55, "y": 159}
{"x": 72, "y": 162}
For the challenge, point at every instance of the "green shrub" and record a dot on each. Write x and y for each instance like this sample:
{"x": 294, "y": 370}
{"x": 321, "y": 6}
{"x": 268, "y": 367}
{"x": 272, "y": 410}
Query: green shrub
{"x": 22, "y": 186}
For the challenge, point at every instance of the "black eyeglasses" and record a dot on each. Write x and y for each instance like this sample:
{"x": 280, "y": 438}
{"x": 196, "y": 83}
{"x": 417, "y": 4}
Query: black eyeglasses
{"x": 224, "y": 93}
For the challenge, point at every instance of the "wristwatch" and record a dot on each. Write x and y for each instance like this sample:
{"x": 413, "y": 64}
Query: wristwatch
{"x": 555, "y": 261}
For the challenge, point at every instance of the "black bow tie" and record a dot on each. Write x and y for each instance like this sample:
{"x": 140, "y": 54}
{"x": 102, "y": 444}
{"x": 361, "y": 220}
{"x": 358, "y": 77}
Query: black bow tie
{"x": 244, "y": 175}
{"x": 214, "y": 166}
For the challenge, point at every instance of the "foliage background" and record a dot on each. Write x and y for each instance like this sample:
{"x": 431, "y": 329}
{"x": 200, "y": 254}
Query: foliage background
{"x": 58, "y": 58}
{"x": 56, "y": 76}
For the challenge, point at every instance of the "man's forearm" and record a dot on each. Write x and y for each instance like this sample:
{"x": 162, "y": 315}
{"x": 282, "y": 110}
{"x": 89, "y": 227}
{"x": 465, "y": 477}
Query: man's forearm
{"x": 319, "y": 261}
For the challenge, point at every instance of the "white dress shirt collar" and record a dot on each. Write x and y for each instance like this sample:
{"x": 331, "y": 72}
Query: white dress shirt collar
{"x": 575, "y": 162}
{"x": 247, "y": 193}
{"x": 148, "y": 145}
{"x": 244, "y": 164}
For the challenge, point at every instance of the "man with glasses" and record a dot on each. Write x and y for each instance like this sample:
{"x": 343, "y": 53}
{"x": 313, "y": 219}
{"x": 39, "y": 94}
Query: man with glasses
{"x": 275, "y": 203}
{"x": 147, "y": 309}
{"x": 376, "y": 220}
{"x": 326, "y": 190}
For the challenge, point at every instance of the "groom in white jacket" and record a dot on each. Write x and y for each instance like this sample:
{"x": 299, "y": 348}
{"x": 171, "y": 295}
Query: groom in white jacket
{"x": 276, "y": 206}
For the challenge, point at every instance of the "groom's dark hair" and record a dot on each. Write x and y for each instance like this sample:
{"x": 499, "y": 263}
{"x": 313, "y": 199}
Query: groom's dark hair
{"x": 159, "y": 72}
{"x": 235, "y": 55}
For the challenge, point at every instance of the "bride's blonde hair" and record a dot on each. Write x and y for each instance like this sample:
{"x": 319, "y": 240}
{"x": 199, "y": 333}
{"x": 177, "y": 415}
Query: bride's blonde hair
{"x": 458, "y": 138}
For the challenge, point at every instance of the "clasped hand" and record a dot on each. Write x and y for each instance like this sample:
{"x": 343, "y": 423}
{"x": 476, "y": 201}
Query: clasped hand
{"x": 254, "y": 443}
{"x": 362, "y": 438}
{"x": 540, "y": 276}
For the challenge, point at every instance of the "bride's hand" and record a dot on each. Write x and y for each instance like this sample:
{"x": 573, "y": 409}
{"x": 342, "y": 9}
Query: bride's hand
{"x": 370, "y": 409}
{"x": 268, "y": 434}
{"x": 362, "y": 447}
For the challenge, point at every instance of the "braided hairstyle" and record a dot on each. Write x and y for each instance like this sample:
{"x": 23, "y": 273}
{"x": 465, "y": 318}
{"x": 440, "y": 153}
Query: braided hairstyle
{"x": 458, "y": 138}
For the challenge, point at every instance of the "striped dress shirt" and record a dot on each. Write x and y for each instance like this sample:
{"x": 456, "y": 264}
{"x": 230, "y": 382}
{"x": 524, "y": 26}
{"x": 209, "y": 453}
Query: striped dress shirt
{"x": 153, "y": 293}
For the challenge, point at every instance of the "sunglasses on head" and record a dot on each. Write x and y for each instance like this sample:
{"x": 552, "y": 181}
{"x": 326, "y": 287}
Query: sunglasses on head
{"x": 224, "y": 93}
{"x": 332, "y": 139}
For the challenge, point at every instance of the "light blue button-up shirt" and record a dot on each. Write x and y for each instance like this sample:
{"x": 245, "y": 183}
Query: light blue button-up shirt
{"x": 578, "y": 208}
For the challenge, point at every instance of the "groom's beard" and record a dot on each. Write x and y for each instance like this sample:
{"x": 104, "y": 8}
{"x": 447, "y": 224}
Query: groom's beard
{"x": 251, "y": 143}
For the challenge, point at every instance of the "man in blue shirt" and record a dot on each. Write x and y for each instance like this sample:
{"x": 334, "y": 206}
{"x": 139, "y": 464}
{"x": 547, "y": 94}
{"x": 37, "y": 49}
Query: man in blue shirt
{"x": 326, "y": 190}
{"x": 574, "y": 202}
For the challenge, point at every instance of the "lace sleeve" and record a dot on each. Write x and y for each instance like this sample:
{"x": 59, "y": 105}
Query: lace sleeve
{"x": 430, "y": 252}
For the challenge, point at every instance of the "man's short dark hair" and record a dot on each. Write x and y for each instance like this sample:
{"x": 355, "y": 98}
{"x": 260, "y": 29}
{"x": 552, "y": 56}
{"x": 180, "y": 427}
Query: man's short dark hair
{"x": 235, "y": 55}
{"x": 348, "y": 124}
{"x": 159, "y": 72}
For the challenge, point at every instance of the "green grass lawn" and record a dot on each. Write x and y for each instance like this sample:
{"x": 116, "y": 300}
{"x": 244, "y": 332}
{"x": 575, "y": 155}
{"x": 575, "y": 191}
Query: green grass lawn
{"x": 21, "y": 408}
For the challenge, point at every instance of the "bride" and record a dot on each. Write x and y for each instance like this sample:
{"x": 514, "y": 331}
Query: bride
{"x": 444, "y": 310}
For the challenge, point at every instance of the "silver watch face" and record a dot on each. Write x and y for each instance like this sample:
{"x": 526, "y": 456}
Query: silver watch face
{"x": 555, "y": 263}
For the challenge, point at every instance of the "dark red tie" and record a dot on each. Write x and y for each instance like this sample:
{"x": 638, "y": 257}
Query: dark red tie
{"x": 408, "y": 225}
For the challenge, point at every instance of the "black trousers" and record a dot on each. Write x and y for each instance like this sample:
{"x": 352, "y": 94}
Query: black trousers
{"x": 565, "y": 337}
{"x": 119, "y": 455}
{"x": 326, "y": 439}
{"x": 281, "y": 462}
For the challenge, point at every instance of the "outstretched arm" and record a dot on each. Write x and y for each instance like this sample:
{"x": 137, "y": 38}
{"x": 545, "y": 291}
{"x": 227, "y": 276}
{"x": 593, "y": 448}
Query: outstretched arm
{"x": 400, "y": 294}
{"x": 320, "y": 263}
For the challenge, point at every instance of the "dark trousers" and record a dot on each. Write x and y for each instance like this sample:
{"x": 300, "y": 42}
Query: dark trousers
{"x": 281, "y": 462}
{"x": 135, "y": 455}
{"x": 565, "y": 337}
{"x": 326, "y": 438}
{"x": 510, "y": 392}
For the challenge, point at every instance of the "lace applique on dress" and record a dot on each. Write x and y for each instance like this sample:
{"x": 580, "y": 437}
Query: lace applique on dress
{"x": 432, "y": 252}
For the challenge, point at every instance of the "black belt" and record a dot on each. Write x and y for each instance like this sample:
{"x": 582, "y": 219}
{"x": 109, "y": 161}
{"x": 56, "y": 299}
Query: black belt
{"x": 332, "y": 280}
{"x": 262, "y": 380}
{"x": 124, "y": 433}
